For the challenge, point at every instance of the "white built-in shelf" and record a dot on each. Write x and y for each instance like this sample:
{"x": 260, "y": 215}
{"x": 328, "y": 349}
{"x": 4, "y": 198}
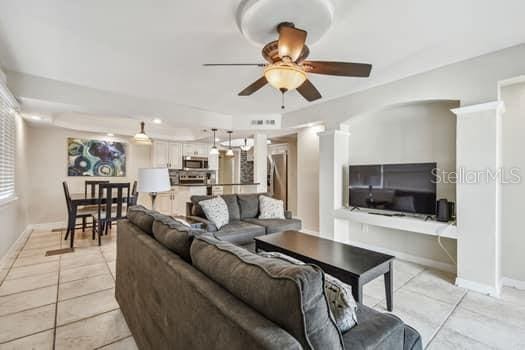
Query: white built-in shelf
{"x": 405, "y": 223}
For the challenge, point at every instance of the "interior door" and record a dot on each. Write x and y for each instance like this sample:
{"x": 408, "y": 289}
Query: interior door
{"x": 280, "y": 177}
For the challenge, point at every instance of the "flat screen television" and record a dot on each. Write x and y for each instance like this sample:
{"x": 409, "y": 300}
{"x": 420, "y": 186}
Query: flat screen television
{"x": 407, "y": 188}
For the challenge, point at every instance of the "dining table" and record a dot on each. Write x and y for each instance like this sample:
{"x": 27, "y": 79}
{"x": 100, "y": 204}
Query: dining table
{"x": 79, "y": 200}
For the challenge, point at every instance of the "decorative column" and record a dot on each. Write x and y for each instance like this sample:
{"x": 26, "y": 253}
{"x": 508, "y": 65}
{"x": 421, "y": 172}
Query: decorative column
{"x": 333, "y": 177}
{"x": 260, "y": 162}
{"x": 478, "y": 154}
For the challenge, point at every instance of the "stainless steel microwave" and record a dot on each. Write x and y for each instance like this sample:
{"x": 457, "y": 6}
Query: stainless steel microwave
{"x": 195, "y": 162}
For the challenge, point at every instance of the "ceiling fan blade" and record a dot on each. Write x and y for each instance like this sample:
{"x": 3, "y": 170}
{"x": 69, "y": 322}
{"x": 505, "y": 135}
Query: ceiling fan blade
{"x": 346, "y": 69}
{"x": 259, "y": 83}
{"x": 233, "y": 64}
{"x": 291, "y": 42}
{"x": 309, "y": 91}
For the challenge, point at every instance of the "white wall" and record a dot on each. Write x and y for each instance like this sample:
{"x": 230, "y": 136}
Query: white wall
{"x": 470, "y": 82}
{"x": 513, "y": 238}
{"x": 13, "y": 215}
{"x": 308, "y": 177}
{"x": 420, "y": 132}
{"x": 47, "y": 168}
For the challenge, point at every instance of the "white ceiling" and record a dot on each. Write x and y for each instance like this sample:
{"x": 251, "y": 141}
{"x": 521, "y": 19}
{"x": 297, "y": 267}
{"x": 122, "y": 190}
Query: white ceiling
{"x": 155, "y": 49}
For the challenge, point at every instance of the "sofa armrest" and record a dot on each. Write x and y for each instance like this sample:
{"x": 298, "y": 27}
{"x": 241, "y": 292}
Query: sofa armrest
{"x": 288, "y": 214}
{"x": 210, "y": 226}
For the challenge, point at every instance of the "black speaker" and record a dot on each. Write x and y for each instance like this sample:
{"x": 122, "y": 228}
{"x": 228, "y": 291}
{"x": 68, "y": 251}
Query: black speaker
{"x": 451, "y": 211}
{"x": 443, "y": 210}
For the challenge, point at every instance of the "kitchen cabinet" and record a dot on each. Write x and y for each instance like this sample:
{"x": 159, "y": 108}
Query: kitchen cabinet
{"x": 164, "y": 203}
{"x": 167, "y": 154}
{"x": 195, "y": 150}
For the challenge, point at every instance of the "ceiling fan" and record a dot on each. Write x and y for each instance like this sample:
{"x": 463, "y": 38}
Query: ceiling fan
{"x": 287, "y": 66}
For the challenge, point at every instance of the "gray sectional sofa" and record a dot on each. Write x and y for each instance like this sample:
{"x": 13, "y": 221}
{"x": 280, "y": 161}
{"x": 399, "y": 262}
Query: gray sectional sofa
{"x": 180, "y": 288}
{"x": 244, "y": 224}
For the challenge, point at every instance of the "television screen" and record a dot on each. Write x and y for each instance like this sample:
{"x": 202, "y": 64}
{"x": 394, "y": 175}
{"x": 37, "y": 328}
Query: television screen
{"x": 409, "y": 188}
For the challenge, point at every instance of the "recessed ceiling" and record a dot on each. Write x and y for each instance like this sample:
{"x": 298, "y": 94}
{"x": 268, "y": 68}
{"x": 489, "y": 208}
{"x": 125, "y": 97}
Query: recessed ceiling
{"x": 156, "y": 49}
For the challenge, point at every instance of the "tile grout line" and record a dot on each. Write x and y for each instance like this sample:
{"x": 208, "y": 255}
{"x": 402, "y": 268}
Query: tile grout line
{"x": 114, "y": 342}
{"x": 16, "y": 257}
{"x": 58, "y": 291}
{"x": 401, "y": 286}
{"x": 25, "y": 336}
{"x": 446, "y": 320}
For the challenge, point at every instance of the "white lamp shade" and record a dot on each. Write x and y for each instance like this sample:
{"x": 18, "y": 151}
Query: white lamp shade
{"x": 153, "y": 180}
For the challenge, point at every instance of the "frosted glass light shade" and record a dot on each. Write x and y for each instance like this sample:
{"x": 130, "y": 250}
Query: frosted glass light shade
{"x": 152, "y": 180}
{"x": 229, "y": 153}
{"x": 214, "y": 150}
{"x": 282, "y": 75}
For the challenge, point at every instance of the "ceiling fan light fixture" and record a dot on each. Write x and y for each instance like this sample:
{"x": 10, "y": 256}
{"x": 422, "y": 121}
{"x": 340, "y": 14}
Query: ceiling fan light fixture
{"x": 285, "y": 76}
{"x": 141, "y": 138}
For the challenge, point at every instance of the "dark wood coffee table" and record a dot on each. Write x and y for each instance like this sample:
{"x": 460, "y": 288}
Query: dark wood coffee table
{"x": 352, "y": 265}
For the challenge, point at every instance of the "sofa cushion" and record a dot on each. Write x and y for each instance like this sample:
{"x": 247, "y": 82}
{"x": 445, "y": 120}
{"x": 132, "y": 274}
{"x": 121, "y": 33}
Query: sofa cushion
{"x": 249, "y": 204}
{"x": 339, "y": 295}
{"x": 216, "y": 211}
{"x": 196, "y": 209}
{"x": 270, "y": 208}
{"x": 276, "y": 225}
{"x": 142, "y": 217}
{"x": 375, "y": 331}
{"x": 290, "y": 295}
{"x": 174, "y": 235}
{"x": 239, "y": 232}
{"x": 233, "y": 206}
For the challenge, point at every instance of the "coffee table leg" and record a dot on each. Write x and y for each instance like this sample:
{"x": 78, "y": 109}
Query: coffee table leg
{"x": 389, "y": 283}
{"x": 357, "y": 290}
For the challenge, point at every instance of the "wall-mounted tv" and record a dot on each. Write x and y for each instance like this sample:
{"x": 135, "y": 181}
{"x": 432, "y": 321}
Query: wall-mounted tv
{"x": 408, "y": 188}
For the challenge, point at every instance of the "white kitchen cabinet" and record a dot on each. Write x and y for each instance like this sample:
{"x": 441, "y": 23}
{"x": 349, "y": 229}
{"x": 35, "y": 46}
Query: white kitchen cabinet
{"x": 195, "y": 150}
{"x": 163, "y": 203}
{"x": 160, "y": 154}
{"x": 167, "y": 154}
{"x": 213, "y": 162}
{"x": 175, "y": 155}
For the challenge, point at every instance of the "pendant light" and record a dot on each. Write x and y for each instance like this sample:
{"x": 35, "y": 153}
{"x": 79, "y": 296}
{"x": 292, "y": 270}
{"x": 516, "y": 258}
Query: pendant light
{"x": 229, "y": 152}
{"x": 245, "y": 147}
{"x": 214, "y": 150}
{"x": 141, "y": 138}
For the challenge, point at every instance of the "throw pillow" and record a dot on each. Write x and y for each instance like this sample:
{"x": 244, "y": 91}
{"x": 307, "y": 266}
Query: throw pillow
{"x": 342, "y": 304}
{"x": 216, "y": 211}
{"x": 271, "y": 208}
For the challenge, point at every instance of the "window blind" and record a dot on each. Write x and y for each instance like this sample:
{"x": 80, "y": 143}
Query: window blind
{"x": 7, "y": 151}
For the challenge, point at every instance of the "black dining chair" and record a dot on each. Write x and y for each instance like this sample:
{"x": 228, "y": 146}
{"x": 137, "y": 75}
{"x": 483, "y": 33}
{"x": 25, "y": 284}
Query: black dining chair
{"x": 82, "y": 213}
{"x": 113, "y": 201}
{"x": 134, "y": 194}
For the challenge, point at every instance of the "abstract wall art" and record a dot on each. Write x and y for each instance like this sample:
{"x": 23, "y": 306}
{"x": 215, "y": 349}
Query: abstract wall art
{"x": 96, "y": 158}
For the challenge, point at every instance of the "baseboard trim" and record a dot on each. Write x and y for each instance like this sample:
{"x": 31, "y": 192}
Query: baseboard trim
{"x": 478, "y": 287}
{"x": 48, "y": 226}
{"x": 513, "y": 283}
{"x": 9, "y": 257}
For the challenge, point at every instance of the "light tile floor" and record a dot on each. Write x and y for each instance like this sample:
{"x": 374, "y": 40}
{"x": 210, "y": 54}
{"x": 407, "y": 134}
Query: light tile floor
{"x": 67, "y": 302}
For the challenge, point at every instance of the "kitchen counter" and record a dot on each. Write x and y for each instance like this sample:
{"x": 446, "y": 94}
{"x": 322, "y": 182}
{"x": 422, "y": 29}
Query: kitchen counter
{"x": 215, "y": 185}
{"x": 174, "y": 201}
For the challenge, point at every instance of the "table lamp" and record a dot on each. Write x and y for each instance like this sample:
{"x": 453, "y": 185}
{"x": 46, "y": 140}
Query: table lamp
{"x": 152, "y": 181}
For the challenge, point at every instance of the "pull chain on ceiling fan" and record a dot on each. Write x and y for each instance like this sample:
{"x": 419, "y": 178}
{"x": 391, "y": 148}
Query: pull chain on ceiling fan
{"x": 287, "y": 67}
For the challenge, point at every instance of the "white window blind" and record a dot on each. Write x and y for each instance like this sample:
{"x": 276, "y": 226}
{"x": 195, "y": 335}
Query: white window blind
{"x": 7, "y": 151}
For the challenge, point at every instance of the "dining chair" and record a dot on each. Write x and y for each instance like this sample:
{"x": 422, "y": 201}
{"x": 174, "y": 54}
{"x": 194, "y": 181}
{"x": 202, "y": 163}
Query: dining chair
{"x": 113, "y": 201}
{"x": 134, "y": 194}
{"x": 82, "y": 213}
